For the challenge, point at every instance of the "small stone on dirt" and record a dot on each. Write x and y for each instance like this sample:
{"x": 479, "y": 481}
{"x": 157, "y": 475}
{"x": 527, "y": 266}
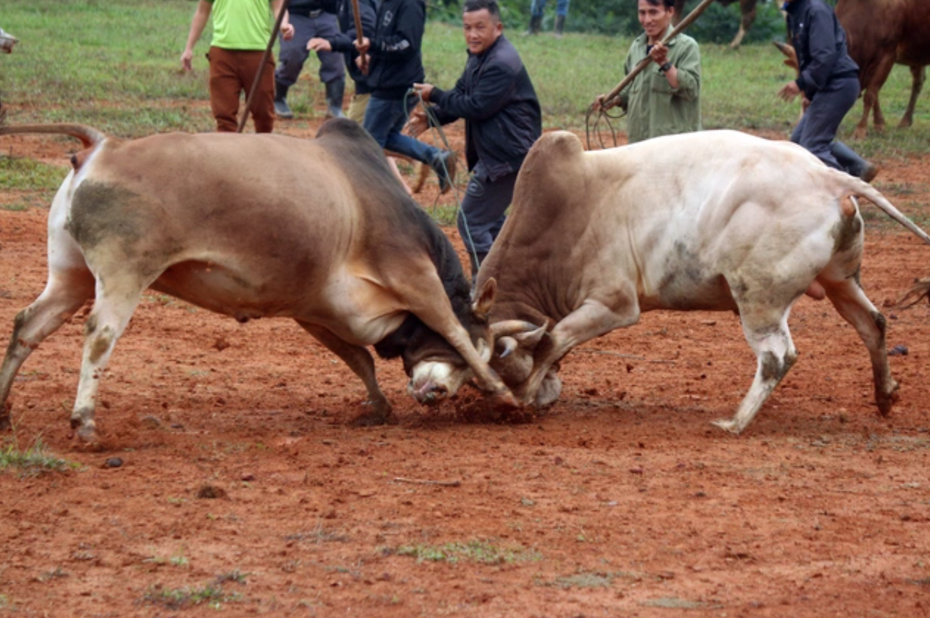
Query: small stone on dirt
{"x": 220, "y": 344}
{"x": 113, "y": 462}
{"x": 248, "y": 476}
{"x": 150, "y": 422}
{"x": 899, "y": 350}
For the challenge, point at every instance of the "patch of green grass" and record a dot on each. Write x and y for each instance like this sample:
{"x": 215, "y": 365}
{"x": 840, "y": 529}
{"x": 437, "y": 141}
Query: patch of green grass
{"x": 211, "y": 594}
{"x": 483, "y": 552}
{"x": 34, "y": 461}
{"x": 29, "y": 175}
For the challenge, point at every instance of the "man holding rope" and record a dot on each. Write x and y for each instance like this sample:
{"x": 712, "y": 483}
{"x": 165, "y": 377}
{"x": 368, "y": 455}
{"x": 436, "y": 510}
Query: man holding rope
{"x": 665, "y": 98}
{"x": 502, "y": 121}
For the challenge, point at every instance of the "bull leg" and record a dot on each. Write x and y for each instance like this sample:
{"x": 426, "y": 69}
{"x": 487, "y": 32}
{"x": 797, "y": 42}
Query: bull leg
{"x": 768, "y": 336}
{"x": 64, "y": 294}
{"x": 748, "y": 11}
{"x": 855, "y": 307}
{"x": 116, "y": 300}
{"x": 360, "y": 362}
{"x": 919, "y": 75}
{"x": 589, "y": 321}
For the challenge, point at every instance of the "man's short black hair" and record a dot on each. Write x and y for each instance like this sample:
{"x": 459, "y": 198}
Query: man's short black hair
{"x": 477, "y": 5}
{"x": 666, "y": 4}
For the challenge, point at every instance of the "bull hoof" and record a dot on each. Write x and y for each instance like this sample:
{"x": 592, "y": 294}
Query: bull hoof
{"x": 377, "y": 413}
{"x": 505, "y": 401}
{"x": 727, "y": 424}
{"x": 886, "y": 401}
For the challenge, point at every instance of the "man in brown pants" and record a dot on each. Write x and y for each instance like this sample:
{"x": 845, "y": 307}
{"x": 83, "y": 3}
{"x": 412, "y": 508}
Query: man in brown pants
{"x": 241, "y": 29}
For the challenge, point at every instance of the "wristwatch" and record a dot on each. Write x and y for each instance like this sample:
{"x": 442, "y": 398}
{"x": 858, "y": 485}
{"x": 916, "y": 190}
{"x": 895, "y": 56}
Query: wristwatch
{"x": 665, "y": 67}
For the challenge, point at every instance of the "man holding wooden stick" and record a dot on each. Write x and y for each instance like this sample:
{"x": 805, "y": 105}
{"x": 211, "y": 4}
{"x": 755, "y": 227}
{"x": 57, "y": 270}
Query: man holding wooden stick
{"x": 665, "y": 97}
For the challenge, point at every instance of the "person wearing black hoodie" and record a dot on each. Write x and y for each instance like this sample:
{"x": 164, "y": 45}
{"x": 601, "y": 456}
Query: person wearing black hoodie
{"x": 503, "y": 120}
{"x": 829, "y": 80}
{"x": 392, "y": 53}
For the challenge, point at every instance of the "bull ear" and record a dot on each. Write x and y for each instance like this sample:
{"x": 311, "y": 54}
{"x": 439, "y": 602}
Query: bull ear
{"x": 481, "y": 306}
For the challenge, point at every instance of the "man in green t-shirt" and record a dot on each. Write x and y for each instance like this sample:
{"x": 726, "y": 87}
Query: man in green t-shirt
{"x": 241, "y": 29}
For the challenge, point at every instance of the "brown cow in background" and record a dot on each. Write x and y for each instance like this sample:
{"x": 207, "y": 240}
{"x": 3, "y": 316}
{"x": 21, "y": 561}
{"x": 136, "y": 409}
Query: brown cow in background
{"x": 747, "y": 9}
{"x": 882, "y": 33}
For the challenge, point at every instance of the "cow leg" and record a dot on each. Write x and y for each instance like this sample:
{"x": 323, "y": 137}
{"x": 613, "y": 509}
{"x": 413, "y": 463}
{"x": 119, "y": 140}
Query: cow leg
{"x": 855, "y": 307}
{"x": 361, "y": 363}
{"x": 65, "y": 293}
{"x": 766, "y": 330}
{"x": 919, "y": 75}
{"x": 117, "y": 298}
{"x": 589, "y": 321}
{"x": 748, "y": 16}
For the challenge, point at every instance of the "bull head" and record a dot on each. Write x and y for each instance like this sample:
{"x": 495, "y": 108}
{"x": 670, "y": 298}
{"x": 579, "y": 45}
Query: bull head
{"x": 516, "y": 343}
{"x": 439, "y": 376}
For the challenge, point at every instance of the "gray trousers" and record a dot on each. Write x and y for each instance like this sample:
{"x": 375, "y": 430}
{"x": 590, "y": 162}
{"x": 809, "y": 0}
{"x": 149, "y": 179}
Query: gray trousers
{"x": 294, "y": 53}
{"x": 482, "y": 215}
{"x": 817, "y": 129}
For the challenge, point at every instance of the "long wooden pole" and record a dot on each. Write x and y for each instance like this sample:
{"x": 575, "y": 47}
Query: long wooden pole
{"x": 684, "y": 23}
{"x": 359, "y": 35}
{"x": 261, "y": 67}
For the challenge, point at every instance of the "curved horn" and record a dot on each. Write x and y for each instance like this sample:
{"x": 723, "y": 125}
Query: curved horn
{"x": 509, "y": 344}
{"x": 88, "y": 135}
{"x": 511, "y": 327}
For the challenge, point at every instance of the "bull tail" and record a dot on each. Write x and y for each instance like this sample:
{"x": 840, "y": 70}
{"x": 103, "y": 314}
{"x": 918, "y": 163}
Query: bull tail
{"x": 90, "y": 137}
{"x": 854, "y": 186}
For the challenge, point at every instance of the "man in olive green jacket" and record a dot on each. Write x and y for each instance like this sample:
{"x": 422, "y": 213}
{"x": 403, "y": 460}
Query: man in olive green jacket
{"x": 665, "y": 98}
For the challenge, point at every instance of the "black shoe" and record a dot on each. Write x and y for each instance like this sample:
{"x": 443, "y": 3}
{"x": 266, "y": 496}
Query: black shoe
{"x": 444, "y": 166}
{"x": 869, "y": 172}
{"x": 281, "y": 110}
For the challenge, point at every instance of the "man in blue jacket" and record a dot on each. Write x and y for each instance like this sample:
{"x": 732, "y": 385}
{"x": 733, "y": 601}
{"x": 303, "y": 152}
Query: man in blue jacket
{"x": 829, "y": 81}
{"x": 392, "y": 54}
{"x": 502, "y": 121}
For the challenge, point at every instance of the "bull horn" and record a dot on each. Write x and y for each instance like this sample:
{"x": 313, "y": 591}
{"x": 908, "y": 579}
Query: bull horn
{"x": 511, "y": 327}
{"x": 509, "y": 344}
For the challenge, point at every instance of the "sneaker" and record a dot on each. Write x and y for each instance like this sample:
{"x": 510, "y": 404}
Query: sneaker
{"x": 281, "y": 110}
{"x": 444, "y": 166}
{"x": 869, "y": 172}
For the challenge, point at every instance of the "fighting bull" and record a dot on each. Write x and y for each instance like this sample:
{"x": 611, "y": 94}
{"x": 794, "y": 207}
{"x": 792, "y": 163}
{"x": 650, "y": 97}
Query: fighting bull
{"x": 254, "y": 226}
{"x": 717, "y": 220}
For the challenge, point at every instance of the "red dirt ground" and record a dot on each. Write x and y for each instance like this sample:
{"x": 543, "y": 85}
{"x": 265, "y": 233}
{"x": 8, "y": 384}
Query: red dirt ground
{"x": 243, "y": 488}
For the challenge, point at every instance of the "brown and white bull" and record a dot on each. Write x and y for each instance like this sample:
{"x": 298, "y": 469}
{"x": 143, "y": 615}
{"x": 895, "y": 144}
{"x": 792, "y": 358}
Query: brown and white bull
{"x": 715, "y": 220}
{"x": 254, "y": 226}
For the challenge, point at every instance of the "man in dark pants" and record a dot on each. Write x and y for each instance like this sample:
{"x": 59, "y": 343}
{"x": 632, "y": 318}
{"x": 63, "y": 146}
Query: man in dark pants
{"x": 344, "y": 43}
{"x": 309, "y": 21}
{"x": 829, "y": 80}
{"x": 394, "y": 61}
{"x": 502, "y": 121}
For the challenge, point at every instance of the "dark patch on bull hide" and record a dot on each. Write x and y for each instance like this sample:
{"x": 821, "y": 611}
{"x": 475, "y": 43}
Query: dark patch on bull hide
{"x": 772, "y": 367}
{"x": 101, "y": 212}
{"x": 846, "y": 233}
{"x": 18, "y": 322}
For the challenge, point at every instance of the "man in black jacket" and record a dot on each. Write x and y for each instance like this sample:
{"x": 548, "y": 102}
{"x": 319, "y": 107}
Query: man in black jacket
{"x": 502, "y": 121}
{"x": 829, "y": 81}
{"x": 394, "y": 61}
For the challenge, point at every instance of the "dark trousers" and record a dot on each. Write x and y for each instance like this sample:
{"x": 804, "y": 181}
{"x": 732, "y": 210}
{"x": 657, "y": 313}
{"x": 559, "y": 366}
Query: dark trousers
{"x": 385, "y": 120}
{"x": 482, "y": 215}
{"x": 817, "y": 129}
{"x": 294, "y": 53}
{"x": 232, "y": 73}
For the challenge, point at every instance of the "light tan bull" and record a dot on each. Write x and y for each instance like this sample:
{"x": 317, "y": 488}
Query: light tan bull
{"x": 714, "y": 220}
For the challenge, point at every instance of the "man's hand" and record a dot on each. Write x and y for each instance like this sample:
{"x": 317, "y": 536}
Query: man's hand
{"x": 186, "y": 60}
{"x": 424, "y": 90}
{"x": 318, "y": 44}
{"x": 362, "y": 62}
{"x": 659, "y": 54}
{"x": 789, "y": 91}
{"x": 287, "y": 32}
{"x": 363, "y": 45}
{"x": 417, "y": 123}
